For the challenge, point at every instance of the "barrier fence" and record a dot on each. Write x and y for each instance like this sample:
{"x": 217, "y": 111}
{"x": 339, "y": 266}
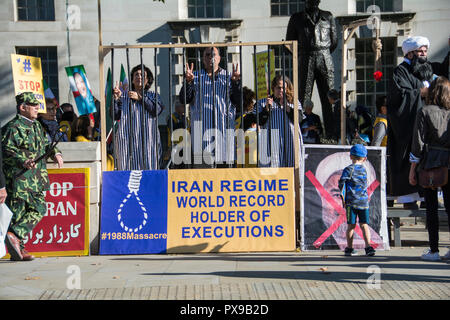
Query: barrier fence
{"x": 189, "y": 154}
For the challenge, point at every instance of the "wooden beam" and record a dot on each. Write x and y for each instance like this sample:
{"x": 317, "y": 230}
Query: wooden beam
{"x": 101, "y": 56}
{"x": 200, "y": 45}
{"x": 344, "y": 86}
{"x": 296, "y": 125}
{"x": 346, "y": 37}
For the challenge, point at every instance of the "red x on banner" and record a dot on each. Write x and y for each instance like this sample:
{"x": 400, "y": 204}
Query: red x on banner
{"x": 339, "y": 209}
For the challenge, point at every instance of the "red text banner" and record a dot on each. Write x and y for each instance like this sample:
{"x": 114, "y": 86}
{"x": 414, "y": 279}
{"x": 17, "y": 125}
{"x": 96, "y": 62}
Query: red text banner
{"x": 64, "y": 230}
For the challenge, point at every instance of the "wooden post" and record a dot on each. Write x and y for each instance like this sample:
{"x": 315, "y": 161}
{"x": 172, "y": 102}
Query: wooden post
{"x": 296, "y": 121}
{"x": 376, "y": 47}
{"x": 346, "y": 37}
{"x": 101, "y": 56}
{"x": 344, "y": 85}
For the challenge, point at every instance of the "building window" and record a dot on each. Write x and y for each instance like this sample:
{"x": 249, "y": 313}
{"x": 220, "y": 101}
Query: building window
{"x": 205, "y": 8}
{"x": 286, "y": 7}
{"x": 384, "y": 5}
{"x": 36, "y": 10}
{"x": 49, "y": 63}
{"x": 279, "y": 62}
{"x": 367, "y": 89}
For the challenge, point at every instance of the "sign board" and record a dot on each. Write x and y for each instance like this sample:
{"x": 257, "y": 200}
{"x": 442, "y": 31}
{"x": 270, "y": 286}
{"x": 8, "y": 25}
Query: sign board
{"x": 81, "y": 89}
{"x": 323, "y": 219}
{"x": 263, "y": 78}
{"x": 64, "y": 230}
{"x": 27, "y": 75}
{"x": 203, "y": 210}
{"x": 134, "y": 212}
{"x": 231, "y": 210}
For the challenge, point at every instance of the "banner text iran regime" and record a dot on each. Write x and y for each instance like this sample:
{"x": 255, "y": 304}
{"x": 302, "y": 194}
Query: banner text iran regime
{"x": 231, "y": 210}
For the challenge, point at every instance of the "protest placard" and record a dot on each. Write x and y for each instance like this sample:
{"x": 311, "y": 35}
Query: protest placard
{"x": 81, "y": 89}
{"x": 27, "y": 75}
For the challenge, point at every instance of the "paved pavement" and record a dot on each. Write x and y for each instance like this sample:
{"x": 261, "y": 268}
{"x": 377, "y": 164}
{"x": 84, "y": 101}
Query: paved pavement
{"x": 397, "y": 274}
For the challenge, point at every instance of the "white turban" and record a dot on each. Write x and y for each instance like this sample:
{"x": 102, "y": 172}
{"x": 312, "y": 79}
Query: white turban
{"x": 414, "y": 43}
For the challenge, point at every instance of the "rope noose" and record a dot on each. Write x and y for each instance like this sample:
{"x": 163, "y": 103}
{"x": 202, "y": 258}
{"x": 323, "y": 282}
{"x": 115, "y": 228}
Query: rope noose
{"x": 133, "y": 187}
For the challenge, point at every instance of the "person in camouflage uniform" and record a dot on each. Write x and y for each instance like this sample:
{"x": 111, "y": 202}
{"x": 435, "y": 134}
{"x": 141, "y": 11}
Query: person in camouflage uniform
{"x": 23, "y": 141}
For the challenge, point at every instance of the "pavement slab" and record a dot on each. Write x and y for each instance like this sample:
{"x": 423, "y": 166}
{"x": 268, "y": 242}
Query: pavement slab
{"x": 395, "y": 274}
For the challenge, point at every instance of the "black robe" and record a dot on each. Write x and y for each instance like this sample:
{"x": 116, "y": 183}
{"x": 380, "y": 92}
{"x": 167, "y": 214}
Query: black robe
{"x": 403, "y": 103}
{"x": 441, "y": 69}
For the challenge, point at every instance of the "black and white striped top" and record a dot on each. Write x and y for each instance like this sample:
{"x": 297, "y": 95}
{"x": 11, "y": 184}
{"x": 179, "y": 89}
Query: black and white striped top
{"x": 137, "y": 142}
{"x": 212, "y": 109}
{"x": 280, "y": 151}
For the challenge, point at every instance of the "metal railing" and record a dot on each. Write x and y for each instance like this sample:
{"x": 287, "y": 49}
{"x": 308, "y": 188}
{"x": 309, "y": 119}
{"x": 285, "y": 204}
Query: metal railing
{"x": 110, "y": 50}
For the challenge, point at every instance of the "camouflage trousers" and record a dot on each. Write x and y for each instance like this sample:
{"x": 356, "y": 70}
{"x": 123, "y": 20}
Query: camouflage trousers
{"x": 26, "y": 213}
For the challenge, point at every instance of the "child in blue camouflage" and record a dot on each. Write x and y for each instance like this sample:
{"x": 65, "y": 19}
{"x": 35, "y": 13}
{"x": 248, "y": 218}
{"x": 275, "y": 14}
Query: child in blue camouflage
{"x": 353, "y": 186}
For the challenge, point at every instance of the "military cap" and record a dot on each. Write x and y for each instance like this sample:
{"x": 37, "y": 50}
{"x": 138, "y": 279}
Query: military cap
{"x": 27, "y": 97}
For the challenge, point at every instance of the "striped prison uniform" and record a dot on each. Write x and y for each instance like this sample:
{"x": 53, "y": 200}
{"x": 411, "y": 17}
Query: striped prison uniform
{"x": 280, "y": 151}
{"x": 204, "y": 118}
{"x": 137, "y": 143}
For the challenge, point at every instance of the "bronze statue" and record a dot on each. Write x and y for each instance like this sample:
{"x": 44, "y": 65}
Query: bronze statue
{"x": 315, "y": 31}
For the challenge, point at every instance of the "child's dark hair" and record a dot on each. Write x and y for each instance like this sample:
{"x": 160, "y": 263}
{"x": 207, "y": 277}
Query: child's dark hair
{"x": 249, "y": 120}
{"x": 356, "y": 157}
{"x": 80, "y": 127}
{"x": 380, "y": 102}
{"x": 333, "y": 94}
{"x": 249, "y": 97}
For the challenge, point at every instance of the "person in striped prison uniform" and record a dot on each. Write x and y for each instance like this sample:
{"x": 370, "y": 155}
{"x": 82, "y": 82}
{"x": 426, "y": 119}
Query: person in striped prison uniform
{"x": 212, "y": 109}
{"x": 280, "y": 151}
{"x": 137, "y": 140}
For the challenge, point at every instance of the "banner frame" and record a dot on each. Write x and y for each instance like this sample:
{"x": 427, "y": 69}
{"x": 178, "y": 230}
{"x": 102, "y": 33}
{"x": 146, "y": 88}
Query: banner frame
{"x": 382, "y": 186}
{"x": 85, "y": 250}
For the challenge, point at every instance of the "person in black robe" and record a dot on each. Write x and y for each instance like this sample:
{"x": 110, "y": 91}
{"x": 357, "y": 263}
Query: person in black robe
{"x": 404, "y": 101}
{"x": 442, "y": 68}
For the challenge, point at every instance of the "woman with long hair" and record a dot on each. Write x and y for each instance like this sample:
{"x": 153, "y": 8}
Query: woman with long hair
{"x": 138, "y": 142}
{"x": 276, "y": 141}
{"x": 431, "y": 149}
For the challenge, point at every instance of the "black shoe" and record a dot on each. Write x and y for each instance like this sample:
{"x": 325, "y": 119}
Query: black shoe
{"x": 350, "y": 252}
{"x": 370, "y": 251}
{"x": 423, "y": 205}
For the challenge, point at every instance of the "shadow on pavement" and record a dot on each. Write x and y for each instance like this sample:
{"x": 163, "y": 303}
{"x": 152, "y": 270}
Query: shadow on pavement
{"x": 335, "y": 276}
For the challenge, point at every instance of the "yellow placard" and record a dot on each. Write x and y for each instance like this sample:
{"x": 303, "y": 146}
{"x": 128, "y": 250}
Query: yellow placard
{"x": 231, "y": 210}
{"x": 263, "y": 77}
{"x": 27, "y": 74}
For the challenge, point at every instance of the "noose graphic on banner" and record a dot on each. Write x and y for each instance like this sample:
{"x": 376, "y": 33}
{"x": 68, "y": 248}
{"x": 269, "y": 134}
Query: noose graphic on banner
{"x": 133, "y": 186}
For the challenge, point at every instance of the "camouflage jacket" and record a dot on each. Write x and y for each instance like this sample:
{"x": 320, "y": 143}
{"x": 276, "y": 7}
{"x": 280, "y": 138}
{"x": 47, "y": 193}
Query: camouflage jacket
{"x": 24, "y": 139}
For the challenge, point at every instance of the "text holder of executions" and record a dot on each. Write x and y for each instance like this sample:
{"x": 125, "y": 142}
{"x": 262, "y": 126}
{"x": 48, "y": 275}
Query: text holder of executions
{"x": 231, "y": 210}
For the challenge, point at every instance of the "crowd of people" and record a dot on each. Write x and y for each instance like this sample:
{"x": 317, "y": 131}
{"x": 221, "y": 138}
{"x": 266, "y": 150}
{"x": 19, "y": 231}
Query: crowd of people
{"x": 219, "y": 106}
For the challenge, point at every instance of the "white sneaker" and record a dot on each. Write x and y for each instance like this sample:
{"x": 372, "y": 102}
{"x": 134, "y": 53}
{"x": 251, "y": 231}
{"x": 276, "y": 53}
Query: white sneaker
{"x": 447, "y": 255}
{"x": 431, "y": 256}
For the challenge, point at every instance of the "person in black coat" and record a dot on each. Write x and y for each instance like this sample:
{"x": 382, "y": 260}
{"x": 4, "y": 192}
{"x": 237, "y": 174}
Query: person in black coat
{"x": 405, "y": 99}
{"x": 311, "y": 126}
{"x": 442, "y": 68}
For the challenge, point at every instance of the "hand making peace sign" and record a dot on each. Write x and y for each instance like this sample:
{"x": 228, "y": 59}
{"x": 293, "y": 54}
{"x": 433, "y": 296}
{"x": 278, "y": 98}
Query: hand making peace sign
{"x": 189, "y": 72}
{"x": 235, "y": 76}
